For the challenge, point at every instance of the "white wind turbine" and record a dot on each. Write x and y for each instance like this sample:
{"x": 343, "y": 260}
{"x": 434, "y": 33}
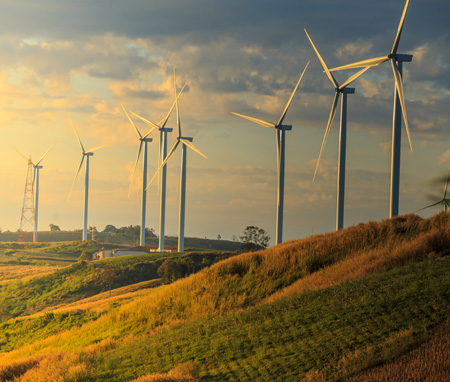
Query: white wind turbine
{"x": 399, "y": 103}
{"x": 445, "y": 201}
{"x": 339, "y": 90}
{"x": 84, "y": 154}
{"x": 163, "y": 130}
{"x": 36, "y": 167}
{"x": 185, "y": 142}
{"x": 280, "y": 131}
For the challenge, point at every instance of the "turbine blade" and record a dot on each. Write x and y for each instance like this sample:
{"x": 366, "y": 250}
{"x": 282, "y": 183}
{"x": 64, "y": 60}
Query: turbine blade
{"x": 135, "y": 166}
{"x": 327, "y": 131}
{"x": 78, "y": 138}
{"x": 172, "y": 150}
{"x": 292, "y": 96}
{"x": 400, "y": 28}
{"x": 446, "y": 184}
{"x": 95, "y": 149}
{"x": 132, "y": 123}
{"x": 163, "y": 122}
{"x": 446, "y": 202}
{"x": 330, "y": 76}
{"x": 191, "y": 146}
{"x": 399, "y": 83}
{"x": 176, "y": 104}
{"x": 23, "y": 156}
{"x": 353, "y": 78}
{"x": 431, "y": 205}
{"x": 43, "y": 156}
{"x": 258, "y": 121}
{"x": 76, "y": 176}
{"x": 153, "y": 125}
{"x": 360, "y": 64}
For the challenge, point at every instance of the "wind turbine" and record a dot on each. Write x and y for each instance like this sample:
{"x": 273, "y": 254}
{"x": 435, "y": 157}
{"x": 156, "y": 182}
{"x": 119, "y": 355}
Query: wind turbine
{"x": 163, "y": 130}
{"x": 185, "y": 142}
{"x": 280, "y": 131}
{"x": 399, "y": 103}
{"x": 339, "y": 90}
{"x": 36, "y": 167}
{"x": 445, "y": 201}
{"x": 84, "y": 154}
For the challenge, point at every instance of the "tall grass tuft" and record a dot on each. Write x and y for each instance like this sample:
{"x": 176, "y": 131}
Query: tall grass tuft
{"x": 17, "y": 368}
{"x": 430, "y": 362}
{"x": 181, "y": 373}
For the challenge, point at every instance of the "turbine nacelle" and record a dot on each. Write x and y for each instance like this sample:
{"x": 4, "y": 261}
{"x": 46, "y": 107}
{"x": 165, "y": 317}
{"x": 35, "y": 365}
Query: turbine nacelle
{"x": 345, "y": 90}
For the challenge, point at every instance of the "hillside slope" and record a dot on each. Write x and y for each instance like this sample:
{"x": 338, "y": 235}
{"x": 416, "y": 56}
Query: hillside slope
{"x": 329, "y": 307}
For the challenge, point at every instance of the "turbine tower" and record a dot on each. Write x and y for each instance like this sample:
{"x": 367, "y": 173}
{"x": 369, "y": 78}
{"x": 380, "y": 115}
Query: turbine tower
{"x": 84, "y": 154}
{"x": 399, "y": 103}
{"x": 163, "y": 130}
{"x": 339, "y": 90}
{"x": 185, "y": 142}
{"x": 280, "y": 132}
{"x": 143, "y": 143}
{"x": 445, "y": 201}
{"x": 35, "y": 185}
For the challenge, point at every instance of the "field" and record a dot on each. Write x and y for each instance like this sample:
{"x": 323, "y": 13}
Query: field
{"x": 170, "y": 242}
{"x": 371, "y": 302}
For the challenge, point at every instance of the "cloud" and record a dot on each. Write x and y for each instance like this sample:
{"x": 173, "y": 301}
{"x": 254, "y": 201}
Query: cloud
{"x": 444, "y": 158}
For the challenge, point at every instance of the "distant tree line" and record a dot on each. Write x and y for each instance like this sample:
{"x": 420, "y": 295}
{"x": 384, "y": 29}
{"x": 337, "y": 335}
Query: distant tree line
{"x": 130, "y": 230}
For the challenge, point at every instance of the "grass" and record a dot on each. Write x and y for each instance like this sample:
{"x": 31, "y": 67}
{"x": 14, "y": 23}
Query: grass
{"x": 43, "y": 254}
{"x": 82, "y": 280}
{"x": 191, "y": 243}
{"x": 339, "y": 306}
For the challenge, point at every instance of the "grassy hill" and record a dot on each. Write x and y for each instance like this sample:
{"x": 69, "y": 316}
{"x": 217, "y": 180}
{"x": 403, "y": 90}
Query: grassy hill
{"x": 367, "y": 303}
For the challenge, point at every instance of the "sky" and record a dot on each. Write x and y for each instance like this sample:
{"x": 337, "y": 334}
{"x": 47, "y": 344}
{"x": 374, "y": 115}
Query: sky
{"x": 86, "y": 58}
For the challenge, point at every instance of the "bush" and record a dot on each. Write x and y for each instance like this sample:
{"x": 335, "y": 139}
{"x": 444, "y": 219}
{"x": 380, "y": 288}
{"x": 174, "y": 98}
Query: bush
{"x": 85, "y": 256}
{"x": 169, "y": 271}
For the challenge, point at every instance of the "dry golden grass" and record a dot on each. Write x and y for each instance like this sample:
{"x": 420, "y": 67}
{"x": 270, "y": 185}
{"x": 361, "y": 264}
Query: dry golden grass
{"x": 366, "y": 263}
{"x": 17, "y": 368}
{"x": 59, "y": 367}
{"x": 429, "y": 362}
{"x": 250, "y": 279}
{"x": 23, "y": 272}
{"x": 103, "y": 302}
{"x": 181, "y": 373}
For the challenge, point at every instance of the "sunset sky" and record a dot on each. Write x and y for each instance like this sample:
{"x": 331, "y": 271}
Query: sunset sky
{"x": 85, "y": 58}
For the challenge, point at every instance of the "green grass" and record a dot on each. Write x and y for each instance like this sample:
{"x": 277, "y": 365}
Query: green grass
{"x": 82, "y": 280}
{"x": 284, "y": 340}
{"x": 326, "y": 308}
{"x": 18, "y": 333}
{"x": 55, "y": 254}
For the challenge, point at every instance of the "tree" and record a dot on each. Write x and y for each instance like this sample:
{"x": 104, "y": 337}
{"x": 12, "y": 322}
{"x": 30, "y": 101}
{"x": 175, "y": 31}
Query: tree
{"x": 169, "y": 271}
{"x": 150, "y": 232}
{"x": 110, "y": 228}
{"x": 219, "y": 237}
{"x": 254, "y": 239}
{"x": 54, "y": 227}
{"x": 108, "y": 275}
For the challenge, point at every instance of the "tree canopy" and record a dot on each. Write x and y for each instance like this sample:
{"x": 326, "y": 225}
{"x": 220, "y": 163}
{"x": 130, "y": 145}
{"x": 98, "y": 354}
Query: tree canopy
{"x": 254, "y": 239}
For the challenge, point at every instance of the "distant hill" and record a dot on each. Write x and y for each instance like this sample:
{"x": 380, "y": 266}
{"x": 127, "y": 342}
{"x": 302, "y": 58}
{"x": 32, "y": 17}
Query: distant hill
{"x": 367, "y": 303}
{"x": 190, "y": 243}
